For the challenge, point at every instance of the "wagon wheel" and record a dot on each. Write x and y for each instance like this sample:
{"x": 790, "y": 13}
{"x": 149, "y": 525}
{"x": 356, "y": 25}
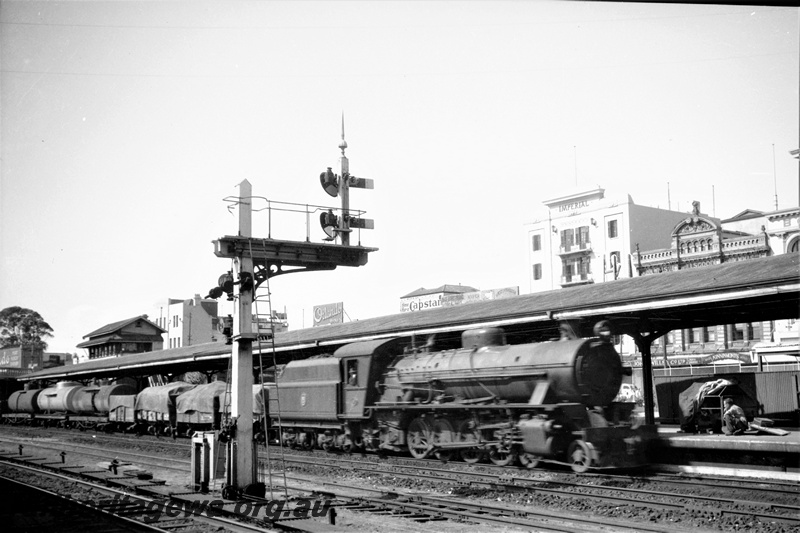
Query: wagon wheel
{"x": 580, "y": 456}
{"x": 418, "y": 437}
{"x": 467, "y": 434}
{"x": 502, "y": 456}
{"x": 529, "y": 460}
{"x": 442, "y": 434}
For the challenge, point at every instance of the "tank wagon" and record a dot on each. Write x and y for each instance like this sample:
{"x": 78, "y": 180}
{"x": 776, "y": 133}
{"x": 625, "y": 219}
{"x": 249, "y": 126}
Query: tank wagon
{"x": 177, "y": 408}
{"x": 551, "y": 401}
{"x": 66, "y": 404}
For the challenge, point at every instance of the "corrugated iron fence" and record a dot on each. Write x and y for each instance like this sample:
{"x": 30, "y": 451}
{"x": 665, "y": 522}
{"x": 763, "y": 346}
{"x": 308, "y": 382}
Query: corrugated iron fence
{"x": 777, "y": 393}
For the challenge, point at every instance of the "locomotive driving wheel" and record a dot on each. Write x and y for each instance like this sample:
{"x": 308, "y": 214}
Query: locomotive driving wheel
{"x": 580, "y": 456}
{"x": 468, "y": 434}
{"x": 442, "y": 434}
{"x": 418, "y": 438}
{"x": 502, "y": 455}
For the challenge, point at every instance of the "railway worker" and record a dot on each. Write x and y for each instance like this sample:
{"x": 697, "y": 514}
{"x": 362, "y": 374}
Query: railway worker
{"x": 733, "y": 420}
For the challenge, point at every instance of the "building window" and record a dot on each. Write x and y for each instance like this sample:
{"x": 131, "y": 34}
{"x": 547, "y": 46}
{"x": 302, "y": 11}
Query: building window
{"x": 537, "y": 243}
{"x": 175, "y": 321}
{"x": 537, "y": 271}
{"x": 567, "y": 239}
{"x": 583, "y": 237}
{"x": 577, "y": 269}
{"x": 612, "y": 229}
{"x": 567, "y": 271}
{"x": 584, "y": 267}
{"x": 697, "y": 335}
{"x": 742, "y": 332}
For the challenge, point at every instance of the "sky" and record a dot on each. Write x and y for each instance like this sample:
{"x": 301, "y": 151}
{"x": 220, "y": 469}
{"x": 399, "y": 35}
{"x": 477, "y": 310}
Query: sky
{"x": 124, "y": 126}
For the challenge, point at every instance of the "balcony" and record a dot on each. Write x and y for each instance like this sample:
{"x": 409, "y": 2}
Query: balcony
{"x": 576, "y": 279}
{"x": 580, "y": 248}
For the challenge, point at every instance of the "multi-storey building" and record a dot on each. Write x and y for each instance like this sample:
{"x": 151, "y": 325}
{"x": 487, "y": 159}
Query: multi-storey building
{"x": 698, "y": 241}
{"x": 587, "y": 237}
{"x": 189, "y": 322}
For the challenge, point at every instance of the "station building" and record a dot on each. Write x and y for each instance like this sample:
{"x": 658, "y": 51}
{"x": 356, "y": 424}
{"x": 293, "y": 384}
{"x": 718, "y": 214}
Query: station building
{"x": 129, "y": 336}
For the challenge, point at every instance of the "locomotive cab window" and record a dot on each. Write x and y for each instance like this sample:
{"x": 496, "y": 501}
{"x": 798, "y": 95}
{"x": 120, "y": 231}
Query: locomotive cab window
{"x": 352, "y": 372}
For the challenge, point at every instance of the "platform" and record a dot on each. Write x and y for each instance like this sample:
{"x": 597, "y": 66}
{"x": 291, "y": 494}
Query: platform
{"x": 748, "y": 455}
{"x": 748, "y": 442}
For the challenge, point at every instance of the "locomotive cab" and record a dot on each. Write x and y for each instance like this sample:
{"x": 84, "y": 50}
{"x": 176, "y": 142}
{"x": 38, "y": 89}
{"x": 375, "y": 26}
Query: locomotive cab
{"x": 363, "y": 364}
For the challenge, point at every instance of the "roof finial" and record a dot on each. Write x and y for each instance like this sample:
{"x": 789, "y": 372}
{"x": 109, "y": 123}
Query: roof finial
{"x": 343, "y": 144}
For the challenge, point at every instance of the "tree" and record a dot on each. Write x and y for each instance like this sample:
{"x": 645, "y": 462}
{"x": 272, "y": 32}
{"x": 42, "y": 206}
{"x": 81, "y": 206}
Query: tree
{"x": 23, "y": 327}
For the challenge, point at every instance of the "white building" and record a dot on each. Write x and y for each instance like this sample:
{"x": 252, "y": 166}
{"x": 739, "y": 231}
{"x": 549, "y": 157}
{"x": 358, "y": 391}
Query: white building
{"x": 781, "y": 227}
{"x": 586, "y": 237}
{"x": 189, "y": 322}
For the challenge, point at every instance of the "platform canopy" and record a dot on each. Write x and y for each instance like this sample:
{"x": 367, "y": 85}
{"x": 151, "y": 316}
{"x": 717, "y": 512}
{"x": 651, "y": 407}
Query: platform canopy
{"x": 747, "y": 291}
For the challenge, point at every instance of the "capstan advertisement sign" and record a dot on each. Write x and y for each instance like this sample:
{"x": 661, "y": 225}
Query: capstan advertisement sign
{"x": 431, "y": 301}
{"x": 329, "y": 314}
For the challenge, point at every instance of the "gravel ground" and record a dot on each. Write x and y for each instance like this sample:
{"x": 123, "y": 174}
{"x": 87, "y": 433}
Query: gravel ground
{"x": 315, "y": 478}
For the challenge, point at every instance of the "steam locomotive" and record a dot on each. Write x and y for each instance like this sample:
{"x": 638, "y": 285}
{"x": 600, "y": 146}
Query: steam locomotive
{"x": 551, "y": 401}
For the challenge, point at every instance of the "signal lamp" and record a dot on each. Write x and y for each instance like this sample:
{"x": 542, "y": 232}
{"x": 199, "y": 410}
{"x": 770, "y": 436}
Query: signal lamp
{"x": 330, "y": 182}
{"x": 329, "y": 223}
{"x": 215, "y": 292}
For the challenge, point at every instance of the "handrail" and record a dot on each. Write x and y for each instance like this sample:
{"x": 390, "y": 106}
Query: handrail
{"x": 289, "y": 207}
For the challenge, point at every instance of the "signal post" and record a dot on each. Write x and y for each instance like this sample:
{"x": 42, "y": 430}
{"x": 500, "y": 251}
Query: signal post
{"x": 255, "y": 261}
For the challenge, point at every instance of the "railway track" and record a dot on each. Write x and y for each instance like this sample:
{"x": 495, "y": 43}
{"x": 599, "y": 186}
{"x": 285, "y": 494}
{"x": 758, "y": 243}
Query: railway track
{"x": 760, "y": 506}
{"x": 128, "y": 511}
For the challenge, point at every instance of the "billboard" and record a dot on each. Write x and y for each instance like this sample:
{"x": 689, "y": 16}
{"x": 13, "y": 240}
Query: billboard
{"x": 430, "y": 301}
{"x": 329, "y": 314}
{"x": 11, "y": 357}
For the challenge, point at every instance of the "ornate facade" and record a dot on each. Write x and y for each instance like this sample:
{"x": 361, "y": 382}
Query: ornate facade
{"x": 699, "y": 241}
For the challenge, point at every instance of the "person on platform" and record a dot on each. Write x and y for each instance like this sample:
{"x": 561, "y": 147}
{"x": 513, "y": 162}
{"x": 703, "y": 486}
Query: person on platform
{"x": 733, "y": 420}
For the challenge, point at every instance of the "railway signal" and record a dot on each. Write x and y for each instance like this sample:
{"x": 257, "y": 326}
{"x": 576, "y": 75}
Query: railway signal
{"x": 339, "y": 185}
